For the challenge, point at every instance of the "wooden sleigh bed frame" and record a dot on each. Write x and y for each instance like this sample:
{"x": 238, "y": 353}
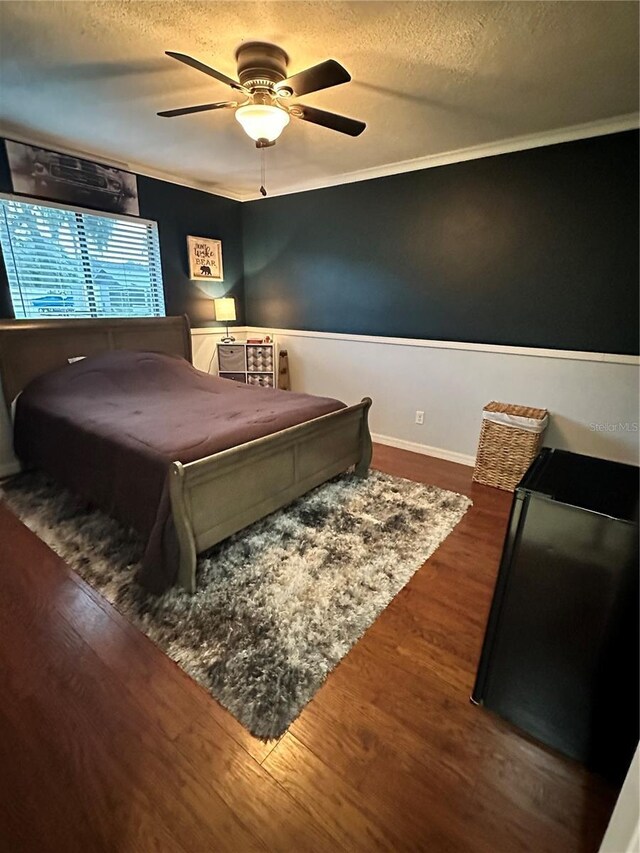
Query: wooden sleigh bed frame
{"x": 220, "y": 494}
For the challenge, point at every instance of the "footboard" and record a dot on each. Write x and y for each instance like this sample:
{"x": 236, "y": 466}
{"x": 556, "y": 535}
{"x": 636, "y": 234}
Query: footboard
{"x": 220, "y": 494}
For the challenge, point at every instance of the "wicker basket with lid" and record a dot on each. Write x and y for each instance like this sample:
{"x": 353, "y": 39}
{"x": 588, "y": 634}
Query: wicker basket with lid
{"x": 509, "y": 442}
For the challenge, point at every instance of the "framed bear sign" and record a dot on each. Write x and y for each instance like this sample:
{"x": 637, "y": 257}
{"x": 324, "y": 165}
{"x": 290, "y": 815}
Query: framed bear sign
{"x": 205, "y": 258}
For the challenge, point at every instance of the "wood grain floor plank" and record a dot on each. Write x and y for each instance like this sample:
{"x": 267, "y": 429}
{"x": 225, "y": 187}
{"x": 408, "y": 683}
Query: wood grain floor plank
{"x": 248, "y": 786}
{"x": 478, "y": 745}
{"x": 101, "y": 738}
{"x": 351, "y": 818}
{"x": 216, "y": 759}
{"x": 104, "y": 818}
{"x": 365, "y": 820}
{"x": 105, "y": 744}
{"x": 390, "y": 763}
{"x": 172, "y": 706}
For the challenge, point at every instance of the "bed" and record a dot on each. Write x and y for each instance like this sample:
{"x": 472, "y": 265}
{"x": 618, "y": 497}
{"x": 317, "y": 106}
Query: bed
{"x": 211, "y": 486}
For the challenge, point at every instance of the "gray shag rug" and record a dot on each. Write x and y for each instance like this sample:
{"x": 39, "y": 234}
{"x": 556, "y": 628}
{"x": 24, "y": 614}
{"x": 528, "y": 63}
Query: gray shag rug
{"x": 278, "y": 604}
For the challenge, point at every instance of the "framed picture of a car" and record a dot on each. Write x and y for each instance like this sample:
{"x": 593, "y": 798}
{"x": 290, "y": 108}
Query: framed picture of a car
{"x": 205, "y": 258}
{"x": 53, "y": 176}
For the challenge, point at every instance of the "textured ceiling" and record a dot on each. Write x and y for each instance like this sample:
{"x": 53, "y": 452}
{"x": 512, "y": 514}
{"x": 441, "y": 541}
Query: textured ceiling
{"x": 429, "y": 78}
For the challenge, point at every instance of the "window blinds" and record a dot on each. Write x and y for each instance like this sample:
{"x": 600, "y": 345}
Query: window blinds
{"x": 63, "y": 262}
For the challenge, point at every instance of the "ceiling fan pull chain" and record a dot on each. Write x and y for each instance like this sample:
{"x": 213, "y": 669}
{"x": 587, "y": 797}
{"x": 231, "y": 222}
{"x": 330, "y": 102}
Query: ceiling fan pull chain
{"x": 262, "y": 172}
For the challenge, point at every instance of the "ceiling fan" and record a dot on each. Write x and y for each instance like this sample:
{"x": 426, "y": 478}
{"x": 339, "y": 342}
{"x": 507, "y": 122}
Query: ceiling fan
{"x": 264, "y": 89}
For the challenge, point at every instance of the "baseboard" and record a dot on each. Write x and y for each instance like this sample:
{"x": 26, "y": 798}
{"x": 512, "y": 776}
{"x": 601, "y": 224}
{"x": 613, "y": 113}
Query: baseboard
{"x": 8, "y": 469}
{"x": 425, "y": 449}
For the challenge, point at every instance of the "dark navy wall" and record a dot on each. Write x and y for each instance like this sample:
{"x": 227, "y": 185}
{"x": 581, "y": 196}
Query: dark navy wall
{"x": 179, "y": 211}
{"x": 534, "y": 248}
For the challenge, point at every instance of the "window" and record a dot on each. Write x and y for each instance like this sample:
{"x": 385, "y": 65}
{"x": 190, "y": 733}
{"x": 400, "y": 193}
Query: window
{"x": 63, "y": 262}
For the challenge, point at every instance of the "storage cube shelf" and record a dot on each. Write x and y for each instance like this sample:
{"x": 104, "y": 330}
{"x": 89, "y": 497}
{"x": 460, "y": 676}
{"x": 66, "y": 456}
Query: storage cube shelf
{"x": 253, "y": 364}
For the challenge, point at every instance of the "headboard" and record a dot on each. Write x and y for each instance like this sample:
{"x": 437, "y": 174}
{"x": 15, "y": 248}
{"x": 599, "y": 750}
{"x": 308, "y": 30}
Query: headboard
{"x": 29, "y": 348}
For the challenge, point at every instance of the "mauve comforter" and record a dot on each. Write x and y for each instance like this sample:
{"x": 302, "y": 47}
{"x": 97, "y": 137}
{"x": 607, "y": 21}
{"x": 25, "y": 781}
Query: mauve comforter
{"x": 108, "y": 426}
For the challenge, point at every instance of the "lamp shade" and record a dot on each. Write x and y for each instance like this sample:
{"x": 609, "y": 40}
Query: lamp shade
{"x": 225, "y": 308}
{"x": 262, "y": 121}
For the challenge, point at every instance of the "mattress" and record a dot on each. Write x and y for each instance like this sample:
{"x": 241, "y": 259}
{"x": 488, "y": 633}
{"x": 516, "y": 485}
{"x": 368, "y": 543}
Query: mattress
{"x": 108, "y": 427}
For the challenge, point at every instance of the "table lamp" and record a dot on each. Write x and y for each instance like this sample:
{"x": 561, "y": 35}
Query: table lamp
{"x": 225, "y": 310}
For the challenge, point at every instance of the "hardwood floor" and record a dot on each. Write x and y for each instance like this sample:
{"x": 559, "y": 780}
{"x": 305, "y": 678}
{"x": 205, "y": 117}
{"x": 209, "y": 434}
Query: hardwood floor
{"x": 105, "y": 744}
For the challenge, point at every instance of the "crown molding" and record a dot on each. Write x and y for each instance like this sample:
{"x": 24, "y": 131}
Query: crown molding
{"x": 45, "y": 141}
{"x": 572, "y": 133}
{"x": 601, "y": 127}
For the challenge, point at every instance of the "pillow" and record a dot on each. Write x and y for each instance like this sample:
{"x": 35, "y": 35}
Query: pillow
{"x": 14, "y": 402}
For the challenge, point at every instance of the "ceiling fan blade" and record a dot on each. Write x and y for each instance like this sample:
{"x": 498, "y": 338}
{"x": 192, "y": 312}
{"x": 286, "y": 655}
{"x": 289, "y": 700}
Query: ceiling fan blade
{"x": 350, "y": 126}
{"x": 185, "y": 111}
{"x": 200, "y": 66}
{"x": 321, "y": 76}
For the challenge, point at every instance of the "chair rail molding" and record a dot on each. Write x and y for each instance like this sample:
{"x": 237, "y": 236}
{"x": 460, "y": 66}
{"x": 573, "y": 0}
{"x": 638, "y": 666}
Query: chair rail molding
{"x": 535, "y": 352}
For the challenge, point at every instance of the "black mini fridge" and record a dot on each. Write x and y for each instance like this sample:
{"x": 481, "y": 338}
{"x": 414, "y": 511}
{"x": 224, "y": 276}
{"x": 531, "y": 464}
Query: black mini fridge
{"x": 560, "y": 655}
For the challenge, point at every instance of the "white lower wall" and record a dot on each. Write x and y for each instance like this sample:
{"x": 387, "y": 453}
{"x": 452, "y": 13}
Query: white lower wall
{"x": 623, "y": 832}
{"x": 590, "y": 400}
{"x": 203, "y": 343}
{"x": 8, "y": 462}
{"x": 587, "y": 399}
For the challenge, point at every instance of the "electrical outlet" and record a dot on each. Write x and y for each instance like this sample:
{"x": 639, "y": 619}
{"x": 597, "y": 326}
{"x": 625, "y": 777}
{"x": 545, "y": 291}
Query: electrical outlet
{"x": 419, "y": 417}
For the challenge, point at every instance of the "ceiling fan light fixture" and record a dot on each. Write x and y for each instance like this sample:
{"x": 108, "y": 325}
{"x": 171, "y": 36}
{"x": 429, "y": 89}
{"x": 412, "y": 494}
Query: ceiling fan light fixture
{"x": 262, "y": 72}
{"x": 262, "y": 121}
